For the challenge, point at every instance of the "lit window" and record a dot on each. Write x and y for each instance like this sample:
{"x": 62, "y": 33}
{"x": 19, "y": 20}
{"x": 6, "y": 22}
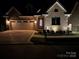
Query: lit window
{"x": 40, "y": 22}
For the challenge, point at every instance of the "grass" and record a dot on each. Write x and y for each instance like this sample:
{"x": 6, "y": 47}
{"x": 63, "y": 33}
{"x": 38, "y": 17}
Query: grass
{"x": 55, "y": 41}
{"x": 58, "y": 39}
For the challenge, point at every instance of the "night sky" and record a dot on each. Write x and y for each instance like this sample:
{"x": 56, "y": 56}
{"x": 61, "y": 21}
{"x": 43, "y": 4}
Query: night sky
{"x": 5, "y": 5}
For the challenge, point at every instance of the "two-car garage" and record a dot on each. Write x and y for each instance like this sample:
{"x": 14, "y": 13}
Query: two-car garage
{"x": 21, "y": 25}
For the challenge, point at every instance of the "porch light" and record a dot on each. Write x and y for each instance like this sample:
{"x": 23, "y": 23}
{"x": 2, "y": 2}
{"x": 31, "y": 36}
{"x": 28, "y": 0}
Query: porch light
{"x": 7, "y": 22}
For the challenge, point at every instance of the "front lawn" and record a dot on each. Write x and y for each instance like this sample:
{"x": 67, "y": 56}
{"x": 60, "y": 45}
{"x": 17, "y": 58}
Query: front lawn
{"x": 55, "y": 40}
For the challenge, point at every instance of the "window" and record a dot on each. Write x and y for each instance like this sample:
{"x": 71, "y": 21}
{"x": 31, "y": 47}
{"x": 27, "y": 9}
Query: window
{"x": 31, "y": 21}
{"x": 19, "y": 21}
{"x": 56, "y": 21}
{"x": 13, "y": 21}
{"x": 56, "y": 10}
{"x": 25, "y": 21}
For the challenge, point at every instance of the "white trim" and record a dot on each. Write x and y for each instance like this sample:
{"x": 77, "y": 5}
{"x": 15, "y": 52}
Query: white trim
{"x": 68, "y": 15}
{"x": 44, "y": 14}
{"x": 38, "y": 10}
{"x": 58, "y": 5}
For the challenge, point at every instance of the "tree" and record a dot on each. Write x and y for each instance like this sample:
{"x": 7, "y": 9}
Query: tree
{"x": 30, "y": 9}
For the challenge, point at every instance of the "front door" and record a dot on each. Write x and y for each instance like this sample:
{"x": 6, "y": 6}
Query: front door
{"x": 40, "y": 23}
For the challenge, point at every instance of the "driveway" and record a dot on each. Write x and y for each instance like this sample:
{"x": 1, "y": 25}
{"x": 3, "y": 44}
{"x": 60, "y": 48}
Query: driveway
{"x": 16, "y": 36}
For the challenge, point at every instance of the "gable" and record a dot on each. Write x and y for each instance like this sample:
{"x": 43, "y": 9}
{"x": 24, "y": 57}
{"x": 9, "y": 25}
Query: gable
{"x": 75, "y": 13}
{"x": 56, "y": 4}
{"x": 76, "y": 7}
{"x": 13, "y": 11}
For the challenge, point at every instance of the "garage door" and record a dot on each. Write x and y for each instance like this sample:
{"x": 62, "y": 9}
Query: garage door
{"x": 22, "y": 25}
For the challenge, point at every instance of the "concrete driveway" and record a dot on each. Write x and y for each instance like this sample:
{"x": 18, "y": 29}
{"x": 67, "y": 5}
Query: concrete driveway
{"x": 16, "y": 36}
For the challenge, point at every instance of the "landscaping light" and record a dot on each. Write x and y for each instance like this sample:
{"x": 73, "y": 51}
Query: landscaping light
{"x": 70, "y": 27}
{"x": 55, "y": 28}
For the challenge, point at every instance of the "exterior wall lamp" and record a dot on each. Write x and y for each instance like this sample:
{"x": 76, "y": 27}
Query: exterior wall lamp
{"x": 35, "y": 22}
{"x": 7, "y": 22}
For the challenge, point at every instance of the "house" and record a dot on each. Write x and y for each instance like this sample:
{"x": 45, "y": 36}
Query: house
{"x": 15, "y": 21}
{"x": 55, "y": 19}
{"x": 74, "y": 18}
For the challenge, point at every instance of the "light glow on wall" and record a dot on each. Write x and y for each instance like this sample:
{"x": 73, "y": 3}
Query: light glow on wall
{"x": 47, "y": 28}
{"x": 70, "y": 27}
{"x": 7, "y": 22}
{"x": 35, "y": 22}
{"x": 55, "y": 28}
{"x": 64, "y": 28}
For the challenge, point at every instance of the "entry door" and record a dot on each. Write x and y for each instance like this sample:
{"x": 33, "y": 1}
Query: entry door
{"x": 40, "y": 23}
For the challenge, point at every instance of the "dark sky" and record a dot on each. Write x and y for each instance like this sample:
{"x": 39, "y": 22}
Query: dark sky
{"x": 6, "y": 4}
{"x": 35, "y": 2}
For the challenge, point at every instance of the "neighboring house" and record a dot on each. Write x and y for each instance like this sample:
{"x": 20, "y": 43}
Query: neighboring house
{"x": 56, "y": 19}
{"x": 74, "y": 18}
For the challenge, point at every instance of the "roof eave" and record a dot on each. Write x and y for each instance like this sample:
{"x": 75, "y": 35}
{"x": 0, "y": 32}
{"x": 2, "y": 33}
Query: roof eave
{"x": 58, "y": 5}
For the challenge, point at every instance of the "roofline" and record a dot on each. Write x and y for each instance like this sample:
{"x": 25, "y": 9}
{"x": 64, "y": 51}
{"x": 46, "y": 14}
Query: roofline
{"x": 68, "y": 15}
{"x": 24, "y": 16}
{"x": 11, "y": 10}
{"x": 59, "y": 6}
{"x": 74, "y": 7}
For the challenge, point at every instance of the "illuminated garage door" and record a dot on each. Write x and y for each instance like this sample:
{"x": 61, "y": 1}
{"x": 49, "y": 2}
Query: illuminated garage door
{"x": 22, "y": 25}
